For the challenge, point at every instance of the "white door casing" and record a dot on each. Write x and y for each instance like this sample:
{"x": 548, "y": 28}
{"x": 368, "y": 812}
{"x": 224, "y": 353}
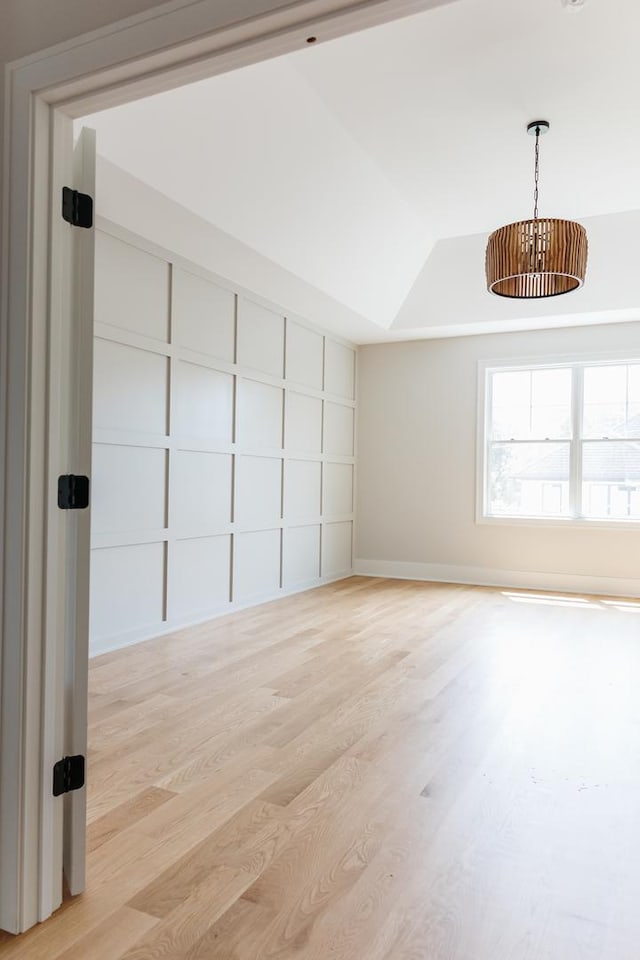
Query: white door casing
{"x": 44, "y": 699}
{"x": 66, "y": 621}
{"x": 76, "y": 659}
{"x": 171, "y": 44}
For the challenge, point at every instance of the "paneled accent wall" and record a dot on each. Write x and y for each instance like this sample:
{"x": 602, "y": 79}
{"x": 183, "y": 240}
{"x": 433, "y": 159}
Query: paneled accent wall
{"x": 223, "y": 465}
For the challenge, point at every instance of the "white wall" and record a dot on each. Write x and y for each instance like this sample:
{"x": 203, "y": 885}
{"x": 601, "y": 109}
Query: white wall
{"x": 417, "y": 471}
{"x": 223, "y": 461}
{"x": 132, "y": 203}
{"x": 275, "y": 181}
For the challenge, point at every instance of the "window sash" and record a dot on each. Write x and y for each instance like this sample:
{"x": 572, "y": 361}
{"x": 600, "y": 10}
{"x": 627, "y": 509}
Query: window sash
{"x": 575, "y": 442}
{"x": 529, "y": 435}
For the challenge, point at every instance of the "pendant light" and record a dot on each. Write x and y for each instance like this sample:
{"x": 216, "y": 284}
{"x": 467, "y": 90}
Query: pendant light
{"x": 542, "y": 257}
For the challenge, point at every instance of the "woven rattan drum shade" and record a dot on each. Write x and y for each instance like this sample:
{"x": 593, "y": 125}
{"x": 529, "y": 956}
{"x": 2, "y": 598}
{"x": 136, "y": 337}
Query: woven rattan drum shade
{"x": 536, "y": 258}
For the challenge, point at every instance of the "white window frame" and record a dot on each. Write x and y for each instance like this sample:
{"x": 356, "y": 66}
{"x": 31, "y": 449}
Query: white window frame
{"x": 577, "y": 363}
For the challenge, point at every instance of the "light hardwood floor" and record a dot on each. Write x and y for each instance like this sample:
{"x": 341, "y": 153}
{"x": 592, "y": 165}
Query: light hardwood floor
{"x": 375, "y": 770}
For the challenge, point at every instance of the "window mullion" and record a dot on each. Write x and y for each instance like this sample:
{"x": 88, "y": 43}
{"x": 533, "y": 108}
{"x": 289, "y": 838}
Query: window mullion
{"x": 577, "y": 409}
{"x": 488, "y": 434}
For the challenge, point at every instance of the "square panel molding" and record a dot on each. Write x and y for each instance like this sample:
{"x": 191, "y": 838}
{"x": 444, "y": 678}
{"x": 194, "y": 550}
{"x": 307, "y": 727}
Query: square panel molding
{"x": 201, "y": 403}
{"x": 340, "y": 370}
{"x": 302, "y": 490}
{"x": 130, "y": 389}
{"x": 224, "y": 440}
{"x": 303, "y": 424}
{"x": 258, "y": 491}
{"x": 337, "y": 550}
{"x": 260, "y": 338}
{"x": 338, "y": 433}
{"x": 301, "y": 556}
{"x": 145, "y": 308}
{"x": 203, "y": 316}
{"x": 199, "y": 577}
{"x": 305, "y": 356}
{"x": 260, "y": 411}
{"x": 338, "y": 490}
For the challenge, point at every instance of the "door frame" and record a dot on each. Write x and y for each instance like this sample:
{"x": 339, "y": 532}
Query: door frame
{"x": 175, "y": 43}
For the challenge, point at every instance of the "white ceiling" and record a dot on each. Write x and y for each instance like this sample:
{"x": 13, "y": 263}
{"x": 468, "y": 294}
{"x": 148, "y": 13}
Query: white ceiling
{"x": 347, "y": 162}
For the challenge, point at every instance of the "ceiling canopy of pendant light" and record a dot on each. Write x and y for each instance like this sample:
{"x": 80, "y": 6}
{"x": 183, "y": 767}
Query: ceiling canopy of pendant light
{"x": 542, "y": 257}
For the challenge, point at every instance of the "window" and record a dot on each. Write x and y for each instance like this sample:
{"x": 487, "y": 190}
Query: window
{"x": 563, "y": 442}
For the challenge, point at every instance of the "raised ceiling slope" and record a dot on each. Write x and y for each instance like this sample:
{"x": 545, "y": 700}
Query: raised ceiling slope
{"x": 374, "y": 166}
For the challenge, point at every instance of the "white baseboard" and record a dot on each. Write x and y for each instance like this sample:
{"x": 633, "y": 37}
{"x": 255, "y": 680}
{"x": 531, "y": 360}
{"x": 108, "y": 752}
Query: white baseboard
{"x": 488, "y": 577}
{"x": 102, "y": 645}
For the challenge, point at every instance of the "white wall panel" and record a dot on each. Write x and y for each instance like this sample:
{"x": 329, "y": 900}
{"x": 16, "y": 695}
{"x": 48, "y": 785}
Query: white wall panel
{"x": 336, "y": 548}
{"x": 260, "y": 338}
{"x": 303, "y": 423}
{"x": 128, "y": 491}
{"x": 338, "y": 429}
{"x": 200, "y": 575}
{"x": 256, "y": 565}
{"x": 202, "y": 403}
{"x": 301, "y": 560}
{"x": 189, "y": 449}
{"x": 139, "y": 301}
{"x": 338, "y": 489}
{"x": 340, "y": 368}
{"x": 302, "y": 490}
{"x": 259, "y": 415}
{"x": 129, "y": 388}
{"x": 201, "y": 491}
{"x": 305, "y": 356}
{"x": 258, "y": 491}
{"x": 127, "y": 590}
{"x": 202, "y": 316}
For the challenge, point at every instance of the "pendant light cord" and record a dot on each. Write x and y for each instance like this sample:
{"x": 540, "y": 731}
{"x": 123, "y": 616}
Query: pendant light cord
{"x": 536, "y": 175}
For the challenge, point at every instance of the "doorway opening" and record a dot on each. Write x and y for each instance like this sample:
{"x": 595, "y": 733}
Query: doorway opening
{"x": 147, "y": 53}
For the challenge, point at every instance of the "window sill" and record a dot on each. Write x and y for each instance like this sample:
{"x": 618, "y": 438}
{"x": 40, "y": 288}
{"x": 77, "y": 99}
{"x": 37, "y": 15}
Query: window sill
{"x": 560, "y": 522}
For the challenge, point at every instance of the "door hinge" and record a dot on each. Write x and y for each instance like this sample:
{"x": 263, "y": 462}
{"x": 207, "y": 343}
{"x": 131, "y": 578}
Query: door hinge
{"x": 68, "y": 774}
{"x": 77, "y": 208}
{"x": 73, "y": 492}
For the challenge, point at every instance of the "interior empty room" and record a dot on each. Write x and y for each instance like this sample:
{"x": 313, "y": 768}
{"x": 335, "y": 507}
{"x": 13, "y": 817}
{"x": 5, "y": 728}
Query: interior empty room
{"x": 339, "y": 646}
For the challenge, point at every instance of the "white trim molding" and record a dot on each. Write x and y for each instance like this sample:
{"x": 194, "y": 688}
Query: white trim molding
{"x": 490, "y": 577}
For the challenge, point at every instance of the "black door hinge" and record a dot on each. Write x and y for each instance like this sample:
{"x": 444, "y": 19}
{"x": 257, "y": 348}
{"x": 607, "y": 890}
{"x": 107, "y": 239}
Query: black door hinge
{"x": 73, "y": 492}
{"x": 77, "y": 208}
{"x": 68, "y": 774}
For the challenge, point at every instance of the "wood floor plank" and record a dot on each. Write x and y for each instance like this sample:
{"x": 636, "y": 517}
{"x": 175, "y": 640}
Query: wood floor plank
{"x": 122, "y": 817}
{"x": 131, "y": 721}
{"x": 328, "y": 695}
{"x": 352, "y": 927}
{"x": 160, "y": 760}
{"x": 223, "y": 940}
{"x": 209, "y": 900}
{"x": 176, "y": 827}
{"x": 305, "y": 882}
{"x": 377, "y": 769}
{"x": 169, "y": 890}
{"x": 113, "y": 937}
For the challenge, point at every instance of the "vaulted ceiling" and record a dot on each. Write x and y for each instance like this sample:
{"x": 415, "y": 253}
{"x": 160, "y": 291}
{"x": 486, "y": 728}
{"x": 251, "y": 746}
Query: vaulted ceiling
{"x": 374, "y": 166}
